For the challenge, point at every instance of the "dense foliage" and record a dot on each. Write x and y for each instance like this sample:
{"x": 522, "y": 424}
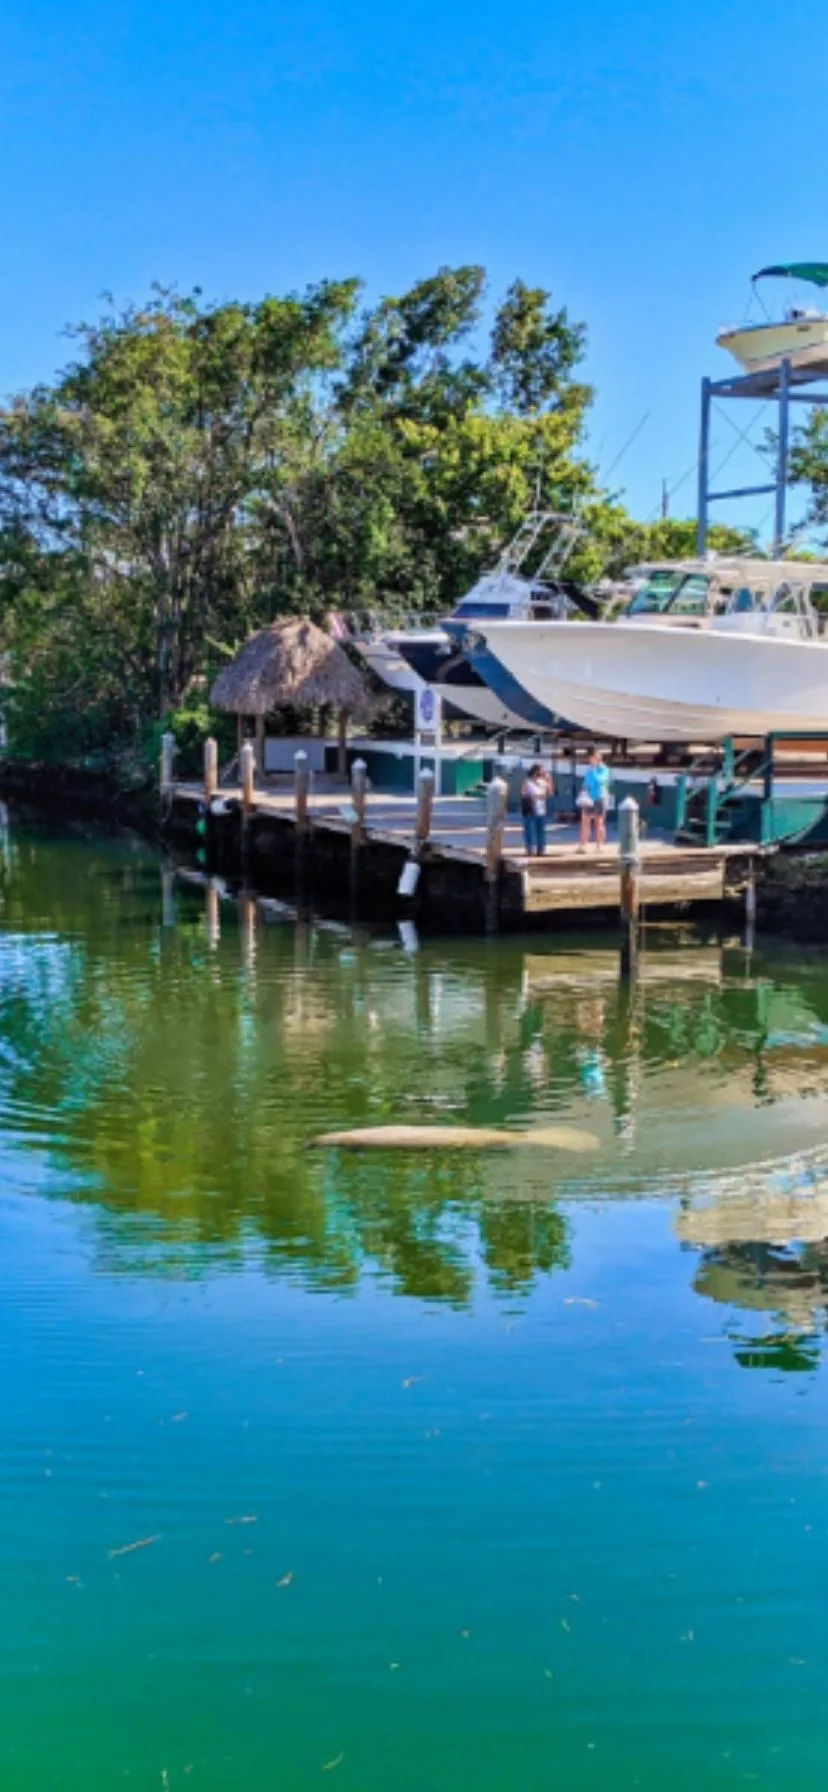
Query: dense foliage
{"x": 200, "y": 469}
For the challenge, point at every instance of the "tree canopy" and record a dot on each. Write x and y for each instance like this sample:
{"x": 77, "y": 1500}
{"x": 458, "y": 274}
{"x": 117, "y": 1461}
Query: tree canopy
{"x": 199, "y": 469}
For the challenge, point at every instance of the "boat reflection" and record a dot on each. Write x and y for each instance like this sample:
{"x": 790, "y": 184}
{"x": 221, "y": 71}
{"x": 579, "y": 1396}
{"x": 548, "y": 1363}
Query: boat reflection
{"x": 763, "y": 1250}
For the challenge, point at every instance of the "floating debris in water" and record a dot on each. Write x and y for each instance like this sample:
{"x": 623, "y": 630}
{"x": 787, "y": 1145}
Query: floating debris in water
{"x": 126, "y": 1549}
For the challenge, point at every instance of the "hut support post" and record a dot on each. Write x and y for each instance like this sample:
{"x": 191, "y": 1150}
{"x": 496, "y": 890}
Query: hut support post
{"x": 630, "y": 861}
{"x": 260, "y": 745}
{"x": 496, "y": 797}
{"x": 342, "y": 746}
{"x": 359, "y": 792}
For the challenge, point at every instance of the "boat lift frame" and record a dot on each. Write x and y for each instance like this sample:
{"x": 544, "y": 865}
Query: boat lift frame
{"x": 786, "y": 384}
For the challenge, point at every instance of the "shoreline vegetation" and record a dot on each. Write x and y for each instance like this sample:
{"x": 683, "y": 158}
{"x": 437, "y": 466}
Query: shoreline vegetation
{"x": 198, "y": 470}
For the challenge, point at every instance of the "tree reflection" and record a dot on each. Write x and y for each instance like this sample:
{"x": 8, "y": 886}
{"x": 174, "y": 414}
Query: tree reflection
{"x": 167, "y": 1054}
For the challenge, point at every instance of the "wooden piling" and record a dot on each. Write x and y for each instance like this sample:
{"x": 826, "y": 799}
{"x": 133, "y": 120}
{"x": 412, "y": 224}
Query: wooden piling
{"x": 301, "y": 788}
{"x": 301, "y": 839}
{"x": 630, "y": 861}
{"x": 167, "y": 757}
{"x": 167, "y": 896}
{"x": 247, "y": 929}
{"x": 247, "y": 760}
{"x": 247, "y": 765}
{"x": 750, "y": 909}
{"x": 212, "y": 913}
{"x": 210, "y": 769}
{"x": 359, "y": 792}
{"x": 496, "y": 798}
{"x": 425, "y": 806}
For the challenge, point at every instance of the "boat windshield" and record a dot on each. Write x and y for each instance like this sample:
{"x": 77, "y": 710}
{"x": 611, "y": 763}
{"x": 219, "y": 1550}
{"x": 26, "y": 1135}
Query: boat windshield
{"x": 476, "y": 606}
{"x": 685, "y": 594}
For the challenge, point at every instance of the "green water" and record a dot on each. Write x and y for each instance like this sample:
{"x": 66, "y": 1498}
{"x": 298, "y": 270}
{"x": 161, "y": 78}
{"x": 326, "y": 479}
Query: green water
{"x": 484, "y": 1472}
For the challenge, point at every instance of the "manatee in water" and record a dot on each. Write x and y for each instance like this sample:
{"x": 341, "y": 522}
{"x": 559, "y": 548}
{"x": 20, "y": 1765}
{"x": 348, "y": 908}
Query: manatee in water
{"x": 457, "y": 1138}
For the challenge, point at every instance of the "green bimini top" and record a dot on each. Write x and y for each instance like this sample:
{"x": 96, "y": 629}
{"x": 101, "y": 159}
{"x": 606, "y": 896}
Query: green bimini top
{"x": 816, "y": 272}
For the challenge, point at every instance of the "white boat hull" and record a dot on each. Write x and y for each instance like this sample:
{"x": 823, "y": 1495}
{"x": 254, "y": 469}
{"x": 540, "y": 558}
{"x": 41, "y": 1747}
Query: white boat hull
{"x": 760, "y": 347}
{"x": 634, "y": 681}
{"x": 473, "y": 699}
{"x": 384, "y": 658}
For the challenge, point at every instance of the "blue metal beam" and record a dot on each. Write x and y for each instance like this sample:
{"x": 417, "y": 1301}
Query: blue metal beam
{"x": 742, "y": 491}
{"x": 704, "y": 453}
{"x": 783, "y": 438}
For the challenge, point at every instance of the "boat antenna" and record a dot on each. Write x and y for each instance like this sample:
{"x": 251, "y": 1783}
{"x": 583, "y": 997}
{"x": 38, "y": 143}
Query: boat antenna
{"x": 755, "y": 293}
{"x": 628, "y": 444}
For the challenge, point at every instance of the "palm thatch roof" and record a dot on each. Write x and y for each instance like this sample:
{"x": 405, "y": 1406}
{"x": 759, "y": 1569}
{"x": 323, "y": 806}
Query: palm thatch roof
{"x": 291, "y": 662}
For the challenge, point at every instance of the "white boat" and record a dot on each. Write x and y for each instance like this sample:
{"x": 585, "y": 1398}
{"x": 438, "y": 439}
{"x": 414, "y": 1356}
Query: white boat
{"x": 800, "y": 337}
{"x": 382, "y": 654}
{"x": 409, "y": 659}
{"x": 706, "y": 649}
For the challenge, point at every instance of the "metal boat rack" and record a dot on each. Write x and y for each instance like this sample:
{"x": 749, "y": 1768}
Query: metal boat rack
{"x": 786, "y": 384}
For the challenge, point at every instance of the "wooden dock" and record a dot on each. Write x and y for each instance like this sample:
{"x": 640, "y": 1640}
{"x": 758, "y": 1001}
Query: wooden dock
{"x": 355, "y": 848}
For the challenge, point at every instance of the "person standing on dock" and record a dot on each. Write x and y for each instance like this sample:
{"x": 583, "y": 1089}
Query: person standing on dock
{"x": 536, "y": 790}
{"x": 593, "y": 800}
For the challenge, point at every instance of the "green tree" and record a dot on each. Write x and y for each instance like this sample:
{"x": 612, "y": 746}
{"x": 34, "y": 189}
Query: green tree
{"x": 124, "y": 487}
{"x": 809, "y": 464}
{"x": 534, "y": 351}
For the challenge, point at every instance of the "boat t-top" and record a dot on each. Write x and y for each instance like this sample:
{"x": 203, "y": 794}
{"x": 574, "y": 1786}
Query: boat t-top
{"x": 413, "y": 657}
{"x": 800, "y": 336}
{"x": 706, "y": 649}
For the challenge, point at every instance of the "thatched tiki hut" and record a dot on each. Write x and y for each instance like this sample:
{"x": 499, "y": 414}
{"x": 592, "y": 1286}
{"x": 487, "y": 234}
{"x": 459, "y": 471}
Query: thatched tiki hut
{"x": 292, "y": 663}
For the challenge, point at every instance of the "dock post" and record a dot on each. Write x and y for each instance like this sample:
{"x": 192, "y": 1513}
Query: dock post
{"x": 247, "y": 929}
{"x": 410, "y": 875}
{"x": 167, "y": 756}
{"x": 212, "y": 913}
{"x": 301, "y": 788}
{"x": 496, "y": 798}
{"x": 628, "y": 853}
{"x": 247, "y": 764}
{"x": 301, "y": 793}
{"x": 425, "y": 805}
{"x": 359, "y": 792}
{"x": 750, "y": 908}
{"x": 210, "y": 769}
{"x": 167, "y": 896}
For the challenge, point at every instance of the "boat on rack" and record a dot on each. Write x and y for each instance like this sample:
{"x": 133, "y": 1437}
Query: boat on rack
{"x": 411, "y": 658}
{"x": 799, "y": 337}
{"x": 706, "y": 649}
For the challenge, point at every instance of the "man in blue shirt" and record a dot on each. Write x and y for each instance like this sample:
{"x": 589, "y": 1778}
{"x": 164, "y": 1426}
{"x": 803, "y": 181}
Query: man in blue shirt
{"x": 593, "y": 799}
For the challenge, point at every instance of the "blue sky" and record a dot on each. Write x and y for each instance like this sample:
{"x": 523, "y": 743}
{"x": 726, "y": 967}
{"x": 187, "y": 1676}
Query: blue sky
{"x": 641, "y": 161}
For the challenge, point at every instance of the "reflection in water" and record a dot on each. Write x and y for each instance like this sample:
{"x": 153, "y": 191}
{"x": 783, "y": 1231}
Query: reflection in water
{"x": 409, "y": 1470}
{"x": 764, "y": 1250}
{"x": 168, "y": 1051}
